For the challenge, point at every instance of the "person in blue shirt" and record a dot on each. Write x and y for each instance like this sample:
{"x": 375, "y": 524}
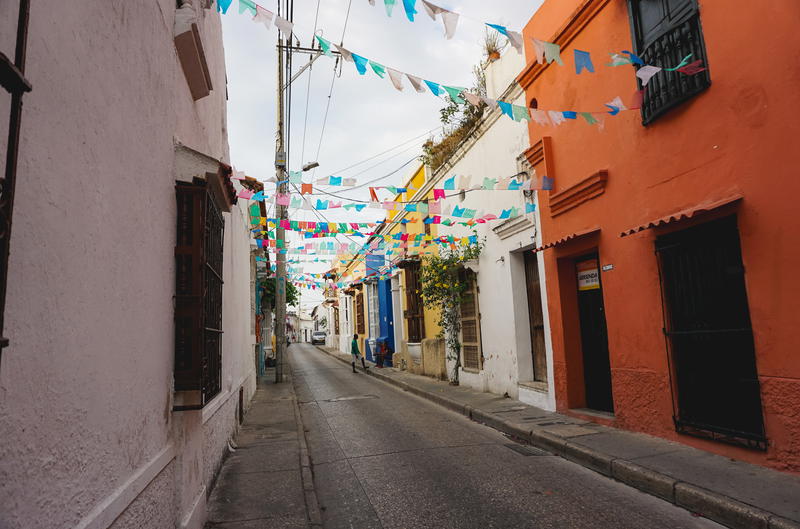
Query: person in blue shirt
{"x": 357, "y": 354}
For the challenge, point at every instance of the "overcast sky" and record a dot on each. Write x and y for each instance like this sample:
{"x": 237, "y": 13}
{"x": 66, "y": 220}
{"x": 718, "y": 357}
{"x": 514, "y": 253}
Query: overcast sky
{"x": 366, "y": 115}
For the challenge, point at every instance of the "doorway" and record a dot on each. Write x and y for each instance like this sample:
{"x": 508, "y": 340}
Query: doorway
{"x": 709, "y": 334}
{"x": 535, "y": 317}
{"x": 594, "y": 335}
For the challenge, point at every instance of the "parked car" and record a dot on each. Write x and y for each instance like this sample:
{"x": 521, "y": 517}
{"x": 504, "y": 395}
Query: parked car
{"x": 318, "y": 337}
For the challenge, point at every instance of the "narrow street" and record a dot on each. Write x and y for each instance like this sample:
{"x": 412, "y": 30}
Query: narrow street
{"x": 384, "y": 458}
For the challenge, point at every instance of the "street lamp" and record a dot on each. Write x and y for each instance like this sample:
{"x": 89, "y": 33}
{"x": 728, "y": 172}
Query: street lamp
{"x": 310, "y": 165}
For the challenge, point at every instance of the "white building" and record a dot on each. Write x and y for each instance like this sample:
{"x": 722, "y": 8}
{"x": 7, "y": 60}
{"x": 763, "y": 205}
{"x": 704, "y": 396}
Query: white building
{"x": 501, "y": 353}
{"x": 107, "y": 417}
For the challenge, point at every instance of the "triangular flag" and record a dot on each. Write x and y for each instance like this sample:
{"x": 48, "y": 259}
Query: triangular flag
{"x": 583, "y": 60}
{"x": 450, "y": 20}
{"x": 491, "y": 103}
{"x": 555, "y": 117}
{"x": 506, "y": 109}
{"x": 408, "y": 5}
{"x": 519, "y": 113}
{"x": 454, "y": 92}
{"x": 396, "y": 78}
{"x": 416, "y": 82}
{"x": 474, "y": 99}
{"x": 431, "y": 9}
{"x": 223, "y": 5}
{"x": 361, "y": 63}
{"x": 515, "y": 39}
{"x": 692, "y": 68}
{"x": 646, "y": 72}
{"x": 325, "y": 45}
{"x": 540, "y": 117}
{"x": 636, "y": 100}
{"x": 247, "y": 5}
{"x": 538, "y": 48}
{"x": 345, "y": 53}
{"x": 434, "y": 87}
{"x": 379, "y": 69}
{"x": 616, "y": 105}
{"x": 284, "y": 26}
{"x": 389, "y": 6}
{"x": 552, "y": 52}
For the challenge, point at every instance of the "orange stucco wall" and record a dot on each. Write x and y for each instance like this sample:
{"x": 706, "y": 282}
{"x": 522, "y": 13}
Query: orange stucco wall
{"x": 737, "y": 137}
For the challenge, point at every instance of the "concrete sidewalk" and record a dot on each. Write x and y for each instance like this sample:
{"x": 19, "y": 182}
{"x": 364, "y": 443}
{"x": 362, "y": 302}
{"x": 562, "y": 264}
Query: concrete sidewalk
{"x": 733, "y": 493}
{"x": 267, "y": 481}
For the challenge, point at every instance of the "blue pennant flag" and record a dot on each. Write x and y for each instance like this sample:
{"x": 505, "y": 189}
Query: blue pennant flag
{"x": 434, "y": 87}
{"x": 360, "y": 62}
{"x": 409, "y": 7}
{"x": 583, "y": 60}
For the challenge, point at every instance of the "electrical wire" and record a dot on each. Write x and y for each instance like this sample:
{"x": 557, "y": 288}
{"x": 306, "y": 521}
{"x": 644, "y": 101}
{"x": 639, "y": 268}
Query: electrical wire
{"x": 308, "y": 89}
{"x": 330, "y": 92}
{"x": 387, "y": 150}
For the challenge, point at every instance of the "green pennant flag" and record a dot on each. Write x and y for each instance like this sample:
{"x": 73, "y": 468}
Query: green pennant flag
{"x": 389, "y": 6}
{"x": 589, "y": 118}
{"x": 325, "y": 45}
{"x": 247, "y": 5}
{"x": 379, "y": 69}
{"x": 454, "y": 93}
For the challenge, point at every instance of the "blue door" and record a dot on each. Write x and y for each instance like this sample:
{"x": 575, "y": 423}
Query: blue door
{"x": 385, "y": 317}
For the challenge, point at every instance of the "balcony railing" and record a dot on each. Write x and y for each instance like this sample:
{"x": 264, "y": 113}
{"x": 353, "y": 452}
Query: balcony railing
{"x": 669, "y": 89}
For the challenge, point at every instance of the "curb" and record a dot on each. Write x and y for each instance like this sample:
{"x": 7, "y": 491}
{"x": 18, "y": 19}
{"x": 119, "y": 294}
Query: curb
{"x": 306, "y": 470}
{"x": 714, "y": 506}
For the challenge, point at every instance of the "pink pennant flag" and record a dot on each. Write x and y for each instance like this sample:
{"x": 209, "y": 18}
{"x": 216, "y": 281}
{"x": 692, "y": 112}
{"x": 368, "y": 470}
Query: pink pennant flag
{"x": 692, "y": 68}
{"x": 473, "y": 99}
{"x": 244, "y": 193}
{"x": 263, "y": 16}
{"x": 282, "y": 199}
{"x": 434, "y": 207}
{"x": 538, "y": 47}
{"x": 637, "y": 99}
{"x": 396, "y": 78}
{"x": 438, "y": 194}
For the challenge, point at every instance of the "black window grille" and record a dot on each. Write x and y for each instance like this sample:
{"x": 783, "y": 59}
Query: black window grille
{"x": 198, "y": 291}
{"x": 710, "y": 339}
{"x": 664, "y": 32}
{"x": 12, "y": 79}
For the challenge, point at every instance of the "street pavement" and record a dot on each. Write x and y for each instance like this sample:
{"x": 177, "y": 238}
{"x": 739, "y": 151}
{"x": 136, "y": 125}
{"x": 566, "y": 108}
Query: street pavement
{"x": 384, "y": 458}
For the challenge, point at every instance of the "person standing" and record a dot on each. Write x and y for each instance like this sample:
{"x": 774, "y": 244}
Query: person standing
{"x": 357, "y": 354}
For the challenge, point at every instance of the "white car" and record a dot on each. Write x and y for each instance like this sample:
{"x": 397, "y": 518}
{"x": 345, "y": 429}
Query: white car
{"x": 318, "y": 337}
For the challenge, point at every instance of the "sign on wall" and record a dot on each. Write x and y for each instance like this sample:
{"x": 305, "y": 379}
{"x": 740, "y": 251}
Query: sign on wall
{"x": 588, "y": 275}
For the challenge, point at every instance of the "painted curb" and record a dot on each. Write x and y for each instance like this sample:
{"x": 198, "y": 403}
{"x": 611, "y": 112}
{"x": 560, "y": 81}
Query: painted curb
{"x": 717, "y": 507}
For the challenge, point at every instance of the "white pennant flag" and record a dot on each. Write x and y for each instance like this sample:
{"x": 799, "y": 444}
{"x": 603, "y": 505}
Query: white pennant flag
{"x": 491, "y": 103}
{"x": 344, "y": 53}
{"x": 538, "y": 47}
{"x": 617, "y": 102}
{"x": 349, "y": 182}
{"x": 432, "y": 9}
{"x": 464, "y": 181}
{"x": 450, "y": 20}
{"x": 540, "y": 117}
{"x": 646, "y": 72}
{"x": 556, "y": 117}
{"x": 263, "y": 16}
{"x": 396, "y": 78}
{"x": 416, "y": 82}
{"x": 284, "y": 25}
{"x": 515, "y": 39}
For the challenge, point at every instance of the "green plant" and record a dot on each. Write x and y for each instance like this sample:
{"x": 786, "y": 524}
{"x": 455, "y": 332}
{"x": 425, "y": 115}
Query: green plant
{"x": 491, "y": 44}
{"x": 292, "y": 294}
{"x": 443, "y": 282}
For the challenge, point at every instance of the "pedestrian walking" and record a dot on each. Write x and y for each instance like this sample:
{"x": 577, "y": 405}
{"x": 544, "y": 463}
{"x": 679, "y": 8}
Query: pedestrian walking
{"x": 357, "y": 354}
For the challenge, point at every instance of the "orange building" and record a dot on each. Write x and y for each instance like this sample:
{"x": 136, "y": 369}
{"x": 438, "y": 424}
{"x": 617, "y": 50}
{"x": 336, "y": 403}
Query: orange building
{"x": 671, "y": 235}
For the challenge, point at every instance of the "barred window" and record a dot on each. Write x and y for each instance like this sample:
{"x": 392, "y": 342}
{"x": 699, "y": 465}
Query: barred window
{"x": 198, "y": 294}
{"x": 471, "y": 325}
{"x": 664, "y": 32}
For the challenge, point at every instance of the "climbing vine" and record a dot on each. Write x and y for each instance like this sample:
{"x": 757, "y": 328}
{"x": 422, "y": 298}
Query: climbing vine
{"x": 443, "y": 281}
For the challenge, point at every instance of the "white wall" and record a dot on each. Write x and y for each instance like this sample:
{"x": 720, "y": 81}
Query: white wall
{"x": 492, "y": 152}
{"x": 86, "y": 384}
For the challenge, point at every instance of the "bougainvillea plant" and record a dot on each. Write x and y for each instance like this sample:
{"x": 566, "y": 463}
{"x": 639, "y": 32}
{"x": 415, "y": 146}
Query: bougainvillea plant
{"x": 443, "y": 281}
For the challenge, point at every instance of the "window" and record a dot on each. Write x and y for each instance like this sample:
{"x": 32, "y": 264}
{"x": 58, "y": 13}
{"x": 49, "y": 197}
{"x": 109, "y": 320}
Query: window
{"x": 710, "y": 339}
{"x": 12, "y": 78}
{"x": 413, "y": 314}
{"x": 664, "y": 32}
{"x": 360, "y": 313}
{"x": 372, "y": 309}
{"x": 198, "y": 293}
{"x": 471, "y": 325}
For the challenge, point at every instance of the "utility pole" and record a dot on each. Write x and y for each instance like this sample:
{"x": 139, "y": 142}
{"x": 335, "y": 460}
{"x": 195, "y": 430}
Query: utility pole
{"x": 280, "y": 257}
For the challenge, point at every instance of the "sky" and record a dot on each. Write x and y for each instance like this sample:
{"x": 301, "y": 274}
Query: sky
{"x": 366, "y": 115}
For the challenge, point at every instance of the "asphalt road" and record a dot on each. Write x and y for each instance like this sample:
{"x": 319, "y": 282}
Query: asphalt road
{"x": 384, "y": 458}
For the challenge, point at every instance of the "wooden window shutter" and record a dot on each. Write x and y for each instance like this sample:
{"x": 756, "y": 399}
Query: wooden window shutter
{"x": 414, "y": 314}
{"x": 360, "y": 313}
{"x": 198, "y": 294}
{"x": 471, "y": 327}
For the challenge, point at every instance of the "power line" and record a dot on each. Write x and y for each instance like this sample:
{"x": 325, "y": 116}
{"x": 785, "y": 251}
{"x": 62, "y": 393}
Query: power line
{"x": 308, "y": 91}
{"x": 387, "y": 150}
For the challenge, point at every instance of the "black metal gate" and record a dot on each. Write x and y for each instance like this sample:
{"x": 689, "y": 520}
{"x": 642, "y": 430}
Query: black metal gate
{"x": 709, "y": 334}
